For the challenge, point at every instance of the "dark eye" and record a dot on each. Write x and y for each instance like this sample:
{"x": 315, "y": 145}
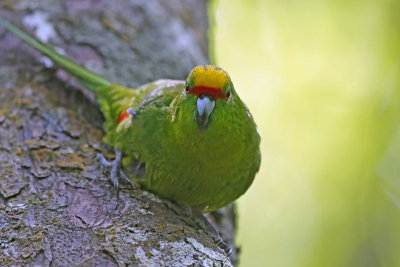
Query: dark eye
{"x": 187, "y": 87}
{"x": 228, "y": 93}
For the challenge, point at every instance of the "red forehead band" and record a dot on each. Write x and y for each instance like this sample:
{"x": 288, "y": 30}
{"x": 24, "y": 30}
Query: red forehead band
{"x": 206, "y": 90}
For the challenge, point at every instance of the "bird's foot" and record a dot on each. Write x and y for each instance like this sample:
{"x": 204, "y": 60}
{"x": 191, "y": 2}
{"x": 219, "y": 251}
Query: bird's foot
{"x": 221, "y": 243}
{"x": 207, "y": 226}
{"x": 116, "y": 172}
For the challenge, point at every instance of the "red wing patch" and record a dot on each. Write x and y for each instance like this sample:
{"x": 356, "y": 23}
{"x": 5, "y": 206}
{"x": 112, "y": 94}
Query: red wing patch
{"x": 124, "y": 115}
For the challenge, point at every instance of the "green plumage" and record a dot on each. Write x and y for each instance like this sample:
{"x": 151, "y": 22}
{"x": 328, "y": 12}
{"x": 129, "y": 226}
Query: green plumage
{"x": 194, "y": 142}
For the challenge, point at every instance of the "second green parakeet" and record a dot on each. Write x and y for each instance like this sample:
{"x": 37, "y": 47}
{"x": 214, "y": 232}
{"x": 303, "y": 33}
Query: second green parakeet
{"x": 193, "y": 141}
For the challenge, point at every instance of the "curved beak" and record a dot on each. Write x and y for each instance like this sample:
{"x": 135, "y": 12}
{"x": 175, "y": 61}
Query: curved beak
{"x": 205, "y": 106}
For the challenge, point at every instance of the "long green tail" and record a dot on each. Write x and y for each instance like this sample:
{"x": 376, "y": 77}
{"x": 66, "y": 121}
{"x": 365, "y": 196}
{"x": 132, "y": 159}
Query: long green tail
{"x": 90, "y": 79}
{"x": 113, "y": 99}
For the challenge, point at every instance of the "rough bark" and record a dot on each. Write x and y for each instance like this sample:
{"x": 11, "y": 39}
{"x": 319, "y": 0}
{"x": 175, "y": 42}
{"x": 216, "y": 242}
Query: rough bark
{"x": 57, "y": 205}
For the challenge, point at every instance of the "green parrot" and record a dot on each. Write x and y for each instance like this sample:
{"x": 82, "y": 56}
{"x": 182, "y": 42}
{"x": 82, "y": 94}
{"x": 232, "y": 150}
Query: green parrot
{"x": 193, "y": 142}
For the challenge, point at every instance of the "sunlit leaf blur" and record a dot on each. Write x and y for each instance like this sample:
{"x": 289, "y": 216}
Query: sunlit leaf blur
{"x": 322, "y": 79}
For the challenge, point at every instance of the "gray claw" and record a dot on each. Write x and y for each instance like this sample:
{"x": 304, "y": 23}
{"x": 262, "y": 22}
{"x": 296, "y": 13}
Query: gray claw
{"x": 115, "y": 181}
{"x": 123, "y": 176}
{"x": 115, "y": 166}
{"x": 103, "y": 160}
{"x": 221, "y": 244}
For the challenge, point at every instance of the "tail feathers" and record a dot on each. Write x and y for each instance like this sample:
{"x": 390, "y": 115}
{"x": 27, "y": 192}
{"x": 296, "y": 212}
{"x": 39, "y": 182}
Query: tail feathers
{"x": 89, "y": 78}
{"x": 113, "y": 99}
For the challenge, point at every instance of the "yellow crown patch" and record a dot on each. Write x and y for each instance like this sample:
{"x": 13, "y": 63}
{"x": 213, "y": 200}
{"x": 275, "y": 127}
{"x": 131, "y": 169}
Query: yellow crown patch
{"x": 210, "y": 76}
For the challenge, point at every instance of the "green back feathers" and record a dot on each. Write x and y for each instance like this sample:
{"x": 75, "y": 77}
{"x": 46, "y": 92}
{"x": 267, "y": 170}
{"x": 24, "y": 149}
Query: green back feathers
{"x": 114, "y": 101}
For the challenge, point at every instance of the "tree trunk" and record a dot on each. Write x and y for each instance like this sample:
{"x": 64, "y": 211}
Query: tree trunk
{"x": 57, "y": 205}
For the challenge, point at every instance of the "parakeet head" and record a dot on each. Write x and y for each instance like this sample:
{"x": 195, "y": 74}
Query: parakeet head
{"x": 212, "y": 87}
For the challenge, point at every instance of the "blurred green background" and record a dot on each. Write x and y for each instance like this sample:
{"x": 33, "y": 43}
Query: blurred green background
{"x": 322, "y": 79}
